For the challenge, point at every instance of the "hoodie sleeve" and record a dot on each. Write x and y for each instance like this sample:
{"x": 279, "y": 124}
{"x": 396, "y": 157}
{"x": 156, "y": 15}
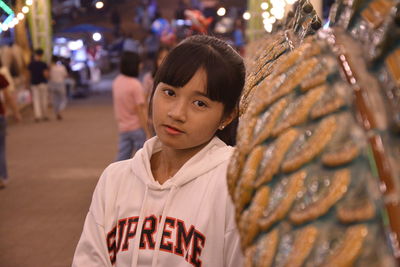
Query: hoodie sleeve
{"x": 92, "y": 249}
{"x": 233, "y": 256}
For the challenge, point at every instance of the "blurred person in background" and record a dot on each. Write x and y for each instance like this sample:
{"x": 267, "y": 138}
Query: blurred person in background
{"x": 6, "y": 72}
{"x": 70, "y": 82}
{"x": 116, "y": 21}
{"x": 130, "y": 44}
{"x": 151, "y": 44}
{"x": 148, "y": 78}
{"x": 57, "y": 77}
{"x": 130, "y": 107}
{"x": 39, "y": 72}
{"x": 9, "y": 101}
{"x": 238, "y": 37}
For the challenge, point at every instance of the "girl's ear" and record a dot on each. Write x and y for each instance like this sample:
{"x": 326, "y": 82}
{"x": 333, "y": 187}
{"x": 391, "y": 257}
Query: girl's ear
{"x": 228, "y": 119}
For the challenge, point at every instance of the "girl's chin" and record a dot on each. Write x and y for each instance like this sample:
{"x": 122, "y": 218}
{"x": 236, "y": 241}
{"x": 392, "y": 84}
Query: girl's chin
{"x": 181, "y": 145}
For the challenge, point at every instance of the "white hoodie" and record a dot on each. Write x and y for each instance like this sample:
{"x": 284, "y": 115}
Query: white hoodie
{"x": 193, "y": 208}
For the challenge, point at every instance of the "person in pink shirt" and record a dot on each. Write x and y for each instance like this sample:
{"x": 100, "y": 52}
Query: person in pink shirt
{"x": 130, "y": 107}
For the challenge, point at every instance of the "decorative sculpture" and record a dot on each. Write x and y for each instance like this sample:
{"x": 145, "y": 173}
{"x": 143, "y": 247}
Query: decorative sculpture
{"x": 315, "y": 175}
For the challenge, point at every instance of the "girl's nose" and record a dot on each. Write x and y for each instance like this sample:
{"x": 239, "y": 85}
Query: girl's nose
{"x": 178, "y": 111}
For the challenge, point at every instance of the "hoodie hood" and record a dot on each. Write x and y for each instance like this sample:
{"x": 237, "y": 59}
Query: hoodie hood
{"x": 215, "y": 152}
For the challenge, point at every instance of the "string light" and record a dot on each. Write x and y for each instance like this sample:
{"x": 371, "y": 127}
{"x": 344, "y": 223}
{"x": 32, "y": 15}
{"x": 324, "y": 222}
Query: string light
{"x": 272, "y": 11}
{"x": 25, "y": 9}
{"x": 264, "y": 6}
{"x": 4, "y": 27}
{"x": 221, "y": 11}
{"x": 246, "y": 15}
{"x": 265, "y": 15}
{"x": 20, "y": 16}
{"x": 99, "y": 5}
{"x": 12, "y": 20}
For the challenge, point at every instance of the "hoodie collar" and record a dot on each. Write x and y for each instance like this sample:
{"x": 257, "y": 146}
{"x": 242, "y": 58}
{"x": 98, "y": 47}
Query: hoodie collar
{"x": 215, "y": 152}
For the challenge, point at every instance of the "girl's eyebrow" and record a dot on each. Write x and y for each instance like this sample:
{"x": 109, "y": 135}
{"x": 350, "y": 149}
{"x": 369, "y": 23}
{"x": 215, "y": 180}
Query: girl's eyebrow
{"x": 201, "y": 93}
{"x": 196, "y": 92}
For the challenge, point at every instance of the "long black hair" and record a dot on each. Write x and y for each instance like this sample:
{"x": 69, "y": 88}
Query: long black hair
{"x": 224, "y": 68}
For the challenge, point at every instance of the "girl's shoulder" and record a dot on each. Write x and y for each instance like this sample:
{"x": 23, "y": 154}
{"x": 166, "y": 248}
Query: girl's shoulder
{"x": 119, "y": 166}
{"x": 118, "y": 172}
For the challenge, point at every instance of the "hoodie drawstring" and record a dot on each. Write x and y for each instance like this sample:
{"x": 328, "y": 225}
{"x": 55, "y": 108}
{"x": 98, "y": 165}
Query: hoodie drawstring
{"x": 161, "y": 226}
{"x": 139, "y": 230}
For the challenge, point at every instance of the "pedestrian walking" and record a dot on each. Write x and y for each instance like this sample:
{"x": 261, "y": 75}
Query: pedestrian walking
{"x": 7, "y": 74}
{"x": 8, "y": 101}
{"x": 130, "y": 107}
{"x": 39, "y": 72}
{"x": 169, "y": 205}
{"x": 57, "y": 86}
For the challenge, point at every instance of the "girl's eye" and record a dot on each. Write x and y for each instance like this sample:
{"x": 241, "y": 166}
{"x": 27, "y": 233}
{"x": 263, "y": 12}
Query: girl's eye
{"x": 200, "y": 103}
{"x": 169, "y": 92}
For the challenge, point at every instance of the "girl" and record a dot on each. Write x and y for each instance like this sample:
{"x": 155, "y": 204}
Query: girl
{"x": 169, "y": 205}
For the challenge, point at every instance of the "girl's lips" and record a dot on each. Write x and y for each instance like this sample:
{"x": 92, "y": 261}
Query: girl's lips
{"x": 172, "y": 130}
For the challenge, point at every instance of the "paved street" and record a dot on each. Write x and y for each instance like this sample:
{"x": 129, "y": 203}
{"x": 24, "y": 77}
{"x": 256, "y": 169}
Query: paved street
{"x": 53, "y": 169}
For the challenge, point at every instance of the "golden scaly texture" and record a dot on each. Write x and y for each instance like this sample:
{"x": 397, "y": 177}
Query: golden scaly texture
{"x": 248, "y": 223}
{"x": 313, "y": 147}
{"x": 300, "y": 113}
{"x": 302, "y": 246}
{"x": 287, "y": 61}
{"x": 317, "y": 79}
{"x": 263, "y": 131}
{"x": 244, "y": 190}
{"x": 295, "y": 185}
{"x": 276, "y": 84}
{"x": 343, "y": 155}
{"x": 325, "y": 108}
{"x": 280, "y": 147}
{"x": 234, "y": 169}
{"x": 281, "y": 85}
{"x": 249, "y": 256}
{"x": 363, "y": 211}
{"x": 261, "y": 69}
{"x": 377, "y": 11}
{"x": 259, "y": 256}
{"x": 245, "y": 130}
{"x": 335, "y": 192}
{"x": 349, "y": 249}
{"x": 393, "y": 64}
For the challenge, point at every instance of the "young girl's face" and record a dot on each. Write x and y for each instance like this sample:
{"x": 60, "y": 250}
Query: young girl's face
{"x": 184, "y": 117}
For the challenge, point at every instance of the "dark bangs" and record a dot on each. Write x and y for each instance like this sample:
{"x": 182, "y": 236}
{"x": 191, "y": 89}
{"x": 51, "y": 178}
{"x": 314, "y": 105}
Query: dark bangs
{"x": 184, "y": 60}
